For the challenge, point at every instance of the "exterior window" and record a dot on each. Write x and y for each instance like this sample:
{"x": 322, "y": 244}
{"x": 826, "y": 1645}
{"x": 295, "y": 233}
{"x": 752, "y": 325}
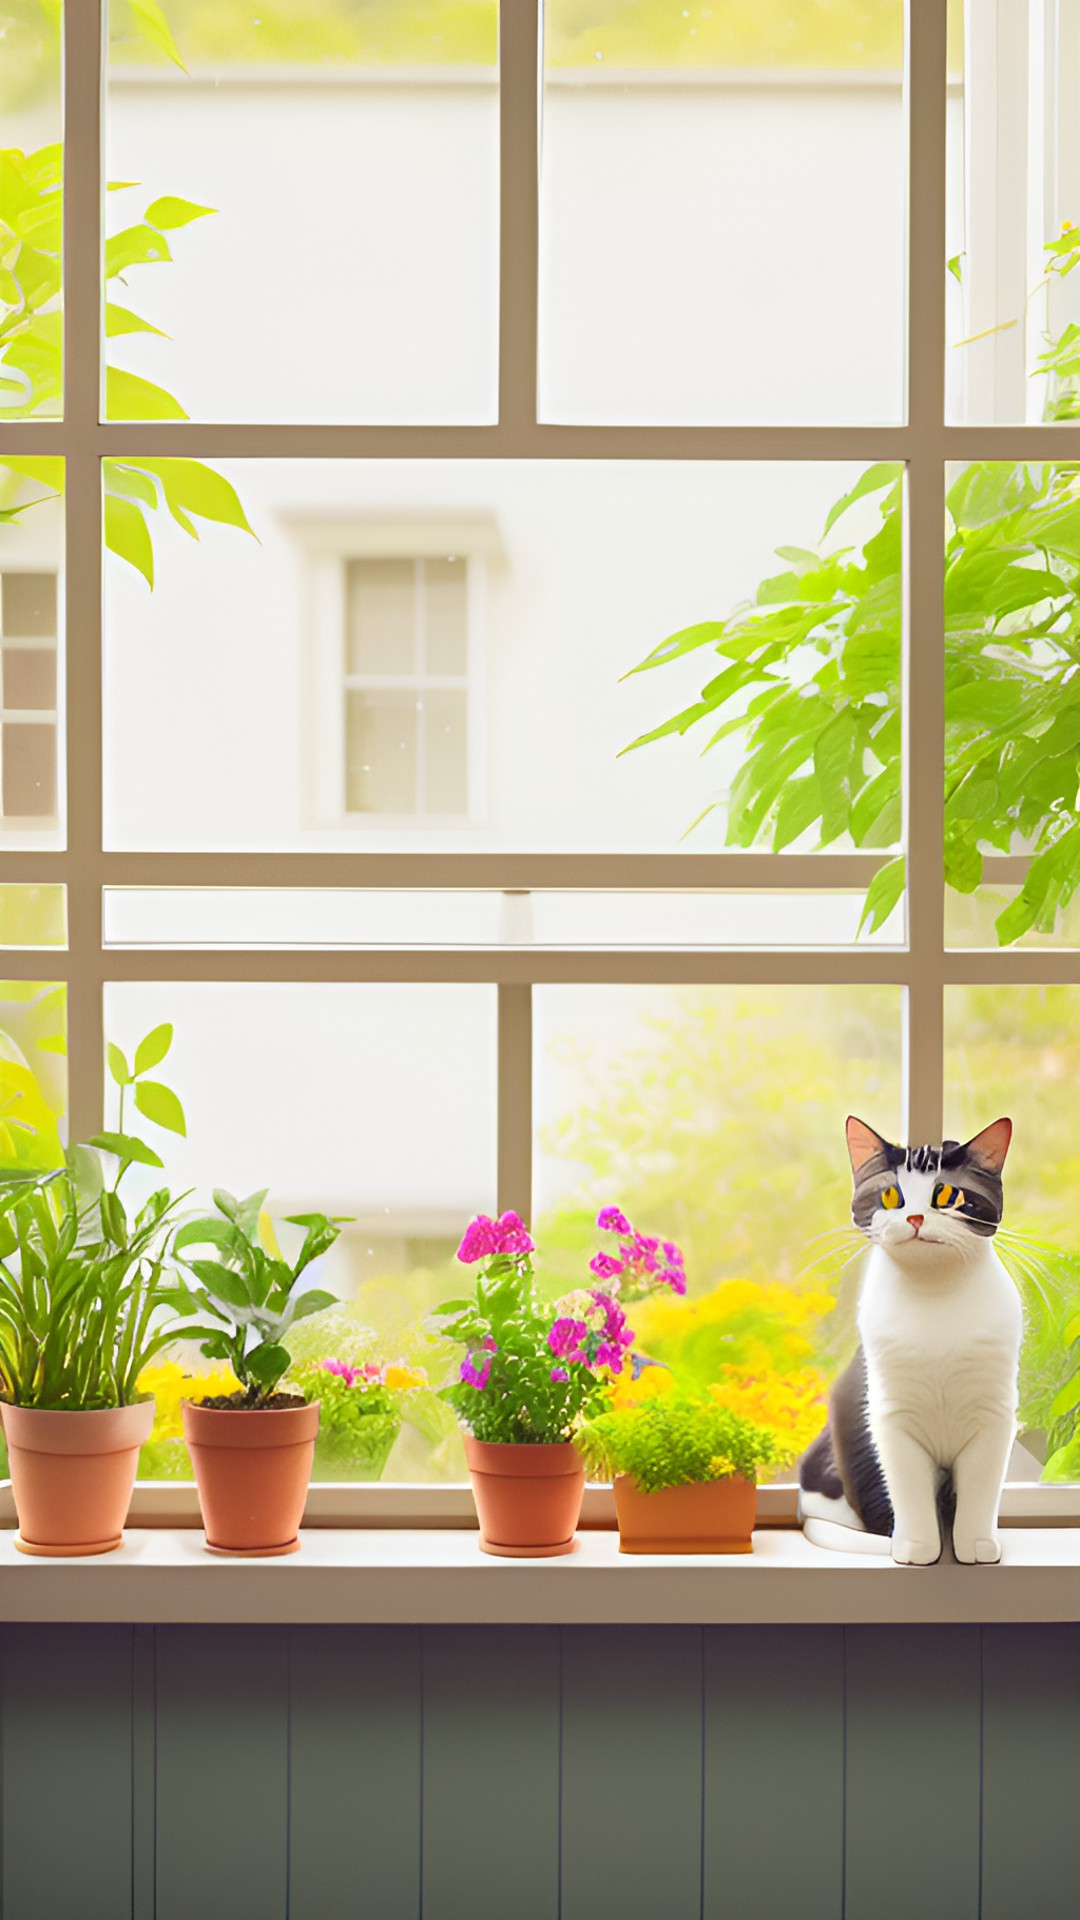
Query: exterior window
{"x": 406, "y": 687}
{"x": 28, "y": 733}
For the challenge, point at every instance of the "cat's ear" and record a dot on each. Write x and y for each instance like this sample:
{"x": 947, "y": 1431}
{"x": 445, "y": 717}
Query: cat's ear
{"x": 862, "y": 1143}
{"x": 991, "y": 1145}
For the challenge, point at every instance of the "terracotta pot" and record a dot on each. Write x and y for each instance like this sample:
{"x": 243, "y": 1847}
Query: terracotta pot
{"x": 710, "y": 1516}
{"x": 252, "y": 1468}
{"x": 527, "y": 1498}
{"x": 72, "y": 1475}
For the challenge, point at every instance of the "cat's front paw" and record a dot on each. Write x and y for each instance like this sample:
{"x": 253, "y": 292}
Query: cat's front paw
{"x": 915, "y": 1553}
{"x": 972, "y": 1552}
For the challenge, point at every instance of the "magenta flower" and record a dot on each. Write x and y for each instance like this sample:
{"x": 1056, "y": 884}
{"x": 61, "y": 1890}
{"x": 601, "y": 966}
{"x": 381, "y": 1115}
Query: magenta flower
{"x": 613, "y": 1220}
{"x": 481, "y": 1237}
{"x": 606, "y": 1266}
{"x": 513, "y": 1235}
{"x": 673, "y": 1277}
{"x": 610, "y": 1354}
{"x": 489, "y": 1342}
{"x": 349, "y": 1374}
{"x": 559, "y": 1375}
{"x": 565, "y": 1338}
{"x": 477, "y": 1376}
{"x": 673, "y": 1254}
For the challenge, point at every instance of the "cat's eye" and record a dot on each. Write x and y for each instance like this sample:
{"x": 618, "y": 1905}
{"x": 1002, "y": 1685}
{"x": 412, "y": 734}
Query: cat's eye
{"x": 946, "y": 1196}
{"x": 891, "y": 1197}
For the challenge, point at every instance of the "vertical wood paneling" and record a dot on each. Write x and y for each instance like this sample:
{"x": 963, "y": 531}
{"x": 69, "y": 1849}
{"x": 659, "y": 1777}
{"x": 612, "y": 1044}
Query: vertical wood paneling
{"x": 491, "y": 1773}
{"x": 354, "y": 1786}
{"x": 631, "y": 1773}
{"x": 144, "y": 1773}
{"x": 1031, "y": 1721}
{"x": 222, "y": 1773}
{"x": 67, "y": 1772}
{"x": 913, "y": 1741}
{"x": 774, "y": 1759}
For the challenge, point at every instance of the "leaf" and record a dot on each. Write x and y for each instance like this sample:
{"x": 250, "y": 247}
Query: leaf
{"x": 209, "y": 1232}
{"x": 314, "y": 1302}
{"x": 118, "y": 1066}
{"x": 267, "y": 1363}
{"x": 127, "y": 535}
{"x": 882, "y": 474}
{"x": 154, "y": 27}
{"x": 223, "y": 1283}
{"x": 139, "y": 246}
{"x": 153, "y": 1047}
{"x": 53, "y": 1043}
{"x": 226, "y": 1203}
{"x": 126, "y": 1147}
{"x": 129, "y": 397}
{"x": 882, "y": 894}
{"x": 800, "y": 806}
{"x": 160, "y": 1104}
{"x": 120, "y": 320}
{"x": 113, "y": 1219}
{"x": 1067, "y": 1399}
{"x": 952, "y": 265}
{"x": 192, "y": 487}
{"x": 169, "y": 212}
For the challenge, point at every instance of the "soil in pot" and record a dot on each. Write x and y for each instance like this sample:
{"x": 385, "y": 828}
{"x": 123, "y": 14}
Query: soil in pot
{"x": 709, "y": 1516}
{"x": 528, "y": 1498}
{"x": 72, "y": 1474}
{"x": 252, "y": 1467}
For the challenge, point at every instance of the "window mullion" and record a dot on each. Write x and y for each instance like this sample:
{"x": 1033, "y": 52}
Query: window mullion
{"x": 924, "y": 522}
{"x": 84, "y": 54}
{"x": 515, "y": 1099}
{"x": 519, "y": 92}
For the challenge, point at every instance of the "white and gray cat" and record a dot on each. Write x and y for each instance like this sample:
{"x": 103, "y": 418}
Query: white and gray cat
{"x": 922, "y": 1422}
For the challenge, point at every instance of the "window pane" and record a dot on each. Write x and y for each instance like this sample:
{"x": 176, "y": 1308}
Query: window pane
{"x": 400, "y": 917}
{"x": 381, "y": 753}
{"x": 375, "y": 1102}
{"x": 381, "y": 616}
{"x": 1016, "y": 1050}
{"x": 705, "y": 175}
{"x": 445, "y": 616}
{"x": 1011, "y": 608}
{"x": 33, "y": 1072}
{"x": 317, "y": 199}
{"x": 31, "y": 716}
{"x": 1014, "y": 174}
{"x": 31, "y": 175}
{"x": 768, "y": 716}
{"x": 33, "y": 916}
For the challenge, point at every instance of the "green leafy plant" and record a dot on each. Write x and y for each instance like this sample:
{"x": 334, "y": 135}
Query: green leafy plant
{"x": 247, "y": 1297}
{"x": 87, "y": 1294}
{"x": 362, "y": 1410}
{"x": 31, "y": 345}
{"x": 823, "y": 753}
{"x": 674, "y": 1443}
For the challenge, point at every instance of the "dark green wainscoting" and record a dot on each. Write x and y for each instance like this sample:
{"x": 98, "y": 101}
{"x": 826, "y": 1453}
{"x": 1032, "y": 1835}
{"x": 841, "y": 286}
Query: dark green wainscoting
{"x": 540, "y": 1773}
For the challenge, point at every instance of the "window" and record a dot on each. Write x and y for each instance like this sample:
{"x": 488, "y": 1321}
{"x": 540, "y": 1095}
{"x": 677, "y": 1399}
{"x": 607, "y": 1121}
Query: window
{"x": 491, "y": 792}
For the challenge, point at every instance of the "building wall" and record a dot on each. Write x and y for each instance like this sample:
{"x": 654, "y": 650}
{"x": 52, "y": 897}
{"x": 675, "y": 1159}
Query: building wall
{"x": 466, "y": 1773}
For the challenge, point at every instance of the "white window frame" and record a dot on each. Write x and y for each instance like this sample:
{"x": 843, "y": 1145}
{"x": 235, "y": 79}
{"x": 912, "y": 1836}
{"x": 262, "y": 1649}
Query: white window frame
{"x": 328, "y": 546}
{"x": 925, "y": 443}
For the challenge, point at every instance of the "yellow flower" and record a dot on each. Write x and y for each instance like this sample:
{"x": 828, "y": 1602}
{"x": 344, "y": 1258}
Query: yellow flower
{"x": 400, "y": 1379}
{"x": 790, "y": 1405}
{"x": 1066, "y": 226}
{"x": 720, "y": 1466}
{"x": 169, "y": 1385}
{"x": 651, "y": 1384}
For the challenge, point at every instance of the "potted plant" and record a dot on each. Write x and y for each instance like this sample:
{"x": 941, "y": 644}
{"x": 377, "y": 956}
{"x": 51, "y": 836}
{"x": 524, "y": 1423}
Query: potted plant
{"x": 531, "y": 1372}
{"x": 362, "y": 1411}
{"x": 84, "y": 1291}
{"x": 684, "y": 1473}
{"x": 251, "y": 1449}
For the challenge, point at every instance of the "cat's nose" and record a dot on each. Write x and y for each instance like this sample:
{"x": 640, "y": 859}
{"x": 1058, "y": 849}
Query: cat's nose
{"x": 915, "y": 1220}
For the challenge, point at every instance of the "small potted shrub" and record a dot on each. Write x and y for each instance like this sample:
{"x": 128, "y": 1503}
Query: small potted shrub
{"x": 684, "y": 1473}
{"x": 251, "y": 1449}
{"x": 361, "y": 1413}
{"x": 531, "y": 1372}
{"x": 86, "y": 1301}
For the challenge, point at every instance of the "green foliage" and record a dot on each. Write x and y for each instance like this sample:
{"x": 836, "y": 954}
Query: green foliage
{"x": 31, "y": 366}
{"x": 674, "y": 1443}
{"x": 823, "y": 752}
{"x": 358, "y": 1423}
{"x": 85, "y": 1285}
{"x": 246, "y": 1298}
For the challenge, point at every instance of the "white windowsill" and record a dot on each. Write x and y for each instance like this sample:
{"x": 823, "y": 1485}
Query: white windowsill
{"x": 427, "y": 1575}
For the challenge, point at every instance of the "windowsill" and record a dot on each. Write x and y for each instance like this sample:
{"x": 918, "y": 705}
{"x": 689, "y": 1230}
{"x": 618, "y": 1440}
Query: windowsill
{"x": 428, "y": 1575}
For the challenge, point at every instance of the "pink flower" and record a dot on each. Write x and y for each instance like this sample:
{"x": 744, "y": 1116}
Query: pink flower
{"x": 489, "y": 1343}
{"x": 610, "y": 1354}
{"x": 559, "y": 1375}
{"x": 481, "y": 1237}
{"x": 673, "y": 1277}
{"x": 673, "y": 1254}
{"x": 477, "y": 1376}
{"x": 349, "y": 1374}
{"x": 513, "y": 1235}
{"x": 372, "y": 1372}
{"x": 613, "y": 1221}
{"x": 565, "y": 1338}
{"x": 606, "y": 1266}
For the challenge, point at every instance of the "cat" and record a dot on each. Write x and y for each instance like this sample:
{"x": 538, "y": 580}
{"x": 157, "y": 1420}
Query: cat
{"x": 922, "y": 1422}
